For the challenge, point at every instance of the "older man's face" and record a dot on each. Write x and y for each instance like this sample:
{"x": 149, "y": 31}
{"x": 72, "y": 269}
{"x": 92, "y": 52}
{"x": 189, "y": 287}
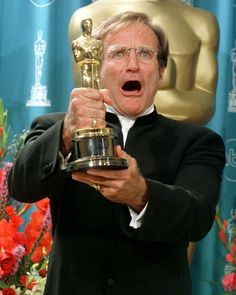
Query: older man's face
{"x": 131, "y": 76}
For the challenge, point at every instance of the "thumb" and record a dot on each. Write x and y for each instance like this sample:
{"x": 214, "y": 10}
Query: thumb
{"x": 121, "y": 153}
{"x": 106, "y": 96}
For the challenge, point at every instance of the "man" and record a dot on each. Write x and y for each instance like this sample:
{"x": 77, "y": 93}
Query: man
{"x": 193, "y": 34}
{"x": 130, "y": 236}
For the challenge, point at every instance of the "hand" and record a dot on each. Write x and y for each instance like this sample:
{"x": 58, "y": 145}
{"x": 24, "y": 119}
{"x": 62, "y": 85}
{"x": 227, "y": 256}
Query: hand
{"x": 120, "y": 186}
{"x": 86, "y": 107}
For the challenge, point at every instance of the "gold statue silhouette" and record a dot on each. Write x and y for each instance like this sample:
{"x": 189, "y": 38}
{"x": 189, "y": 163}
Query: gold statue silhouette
{"x": 188, "y": 90}
{"x": 95, "y": 145}
{"x": 87, "y": 53}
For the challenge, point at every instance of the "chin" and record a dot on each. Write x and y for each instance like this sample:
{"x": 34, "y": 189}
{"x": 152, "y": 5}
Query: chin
{"x": 132, "y": 113}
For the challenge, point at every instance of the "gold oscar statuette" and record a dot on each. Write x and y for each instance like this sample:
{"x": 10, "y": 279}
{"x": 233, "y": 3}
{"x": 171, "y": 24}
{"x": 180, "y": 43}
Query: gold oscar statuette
{"x": 93, "y": 147}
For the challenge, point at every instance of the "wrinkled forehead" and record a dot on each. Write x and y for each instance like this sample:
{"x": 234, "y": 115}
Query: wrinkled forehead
{"x": 132, "y": 34}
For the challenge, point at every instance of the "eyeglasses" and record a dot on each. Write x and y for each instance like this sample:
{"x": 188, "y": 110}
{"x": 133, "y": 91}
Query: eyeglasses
{"x": 143, "y": 54}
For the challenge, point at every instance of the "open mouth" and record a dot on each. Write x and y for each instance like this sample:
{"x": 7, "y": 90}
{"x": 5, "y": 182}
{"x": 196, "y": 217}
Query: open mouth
{"x": 132, "y": 85}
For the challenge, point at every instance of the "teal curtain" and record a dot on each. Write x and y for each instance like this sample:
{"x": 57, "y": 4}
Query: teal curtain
{"x": 36, "y": 78}
{"x": 22, "y": 67}
{"x": 209, "y": 264}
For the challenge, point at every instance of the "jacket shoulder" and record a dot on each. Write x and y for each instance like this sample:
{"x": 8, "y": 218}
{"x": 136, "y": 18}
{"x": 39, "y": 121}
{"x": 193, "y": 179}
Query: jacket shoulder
{"x": 48, "y": 119}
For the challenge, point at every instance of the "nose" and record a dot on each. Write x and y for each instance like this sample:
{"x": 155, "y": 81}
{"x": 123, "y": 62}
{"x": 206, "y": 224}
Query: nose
{"x": 132, "y": 61}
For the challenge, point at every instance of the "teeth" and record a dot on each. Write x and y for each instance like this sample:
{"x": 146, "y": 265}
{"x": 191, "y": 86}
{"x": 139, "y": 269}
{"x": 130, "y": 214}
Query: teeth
{"x": 132, "y": 85}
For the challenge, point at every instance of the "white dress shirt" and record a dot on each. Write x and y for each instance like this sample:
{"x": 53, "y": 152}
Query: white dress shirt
{"x": 126, "y": 124}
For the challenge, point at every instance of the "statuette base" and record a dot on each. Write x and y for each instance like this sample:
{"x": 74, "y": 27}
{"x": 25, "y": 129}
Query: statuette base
{"x": 102, "y": 162}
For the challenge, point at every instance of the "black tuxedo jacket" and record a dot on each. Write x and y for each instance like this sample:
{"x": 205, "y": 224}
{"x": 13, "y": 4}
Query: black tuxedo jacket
{"x": 95, "y": 251}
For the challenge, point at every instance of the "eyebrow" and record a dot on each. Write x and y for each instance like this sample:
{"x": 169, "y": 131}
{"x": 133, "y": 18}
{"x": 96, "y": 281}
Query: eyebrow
{"x": 125, "y": 46}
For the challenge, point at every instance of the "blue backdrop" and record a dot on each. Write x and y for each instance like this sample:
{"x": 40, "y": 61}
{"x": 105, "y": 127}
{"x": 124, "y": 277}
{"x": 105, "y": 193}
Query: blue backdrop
{"x": 20, "y": 24}
{"x": 209, "y": 264}
{"x": 36, "y": 77}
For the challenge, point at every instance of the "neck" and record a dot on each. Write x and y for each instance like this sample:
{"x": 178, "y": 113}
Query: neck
{"x": 149, "y": 110}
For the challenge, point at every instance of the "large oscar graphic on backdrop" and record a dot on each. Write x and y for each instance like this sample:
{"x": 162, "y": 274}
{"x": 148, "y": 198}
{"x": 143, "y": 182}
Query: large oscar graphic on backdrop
{"x": 39, "y": 92}
{"x": 232, "y": 93}
{"x": 93, "y": 147}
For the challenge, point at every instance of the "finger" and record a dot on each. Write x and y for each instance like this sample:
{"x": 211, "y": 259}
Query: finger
{"x": 91, "y": 93}
{"x": 84, "y": 103}
{"x": 89, "y": 98}
{"x": 81, "y": 177}
{"x": 86, "y": 178}
{"x": 104, "y": 174}
{"x": 87, "y": 108}
{"x": 122, "y": 154}
{"x": 106, "y": 96}
{"x": 118, "y": 151}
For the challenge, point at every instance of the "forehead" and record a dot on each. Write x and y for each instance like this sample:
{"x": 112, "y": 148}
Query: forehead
{"x": 132, "y": 34}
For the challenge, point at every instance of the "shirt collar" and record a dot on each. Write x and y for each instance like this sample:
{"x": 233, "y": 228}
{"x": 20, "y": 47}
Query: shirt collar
{"x": 110, "y": 109}
{"x": 127, "y": 122}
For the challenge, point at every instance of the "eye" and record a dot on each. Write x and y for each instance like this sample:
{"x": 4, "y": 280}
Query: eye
{"x": 145, "y": 53}
{"x": 118, "y": 53}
